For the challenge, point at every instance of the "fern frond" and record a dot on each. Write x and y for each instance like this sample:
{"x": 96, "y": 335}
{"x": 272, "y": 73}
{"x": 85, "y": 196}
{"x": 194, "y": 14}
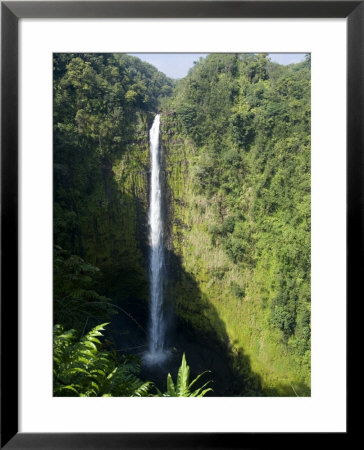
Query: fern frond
{"x": 198, "y": 377}
{"x": 143, "y": 390}
{"x": 183, "y": 387}
{"x": 183, "y": 375}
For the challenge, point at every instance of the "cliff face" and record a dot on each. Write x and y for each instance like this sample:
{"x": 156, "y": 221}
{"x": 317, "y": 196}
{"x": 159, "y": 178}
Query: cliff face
{"x": 239, "y": 207}
{"x": 103, "y": 109}
{"x": 115, "y": 234}
{"x": 226, "y": 305}
{"x": 110, "y": 222}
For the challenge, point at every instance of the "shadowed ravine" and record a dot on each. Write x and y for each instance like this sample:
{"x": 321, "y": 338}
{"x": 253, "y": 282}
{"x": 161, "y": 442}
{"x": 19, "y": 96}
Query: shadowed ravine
{"x": 230, "y": 369}
{"x": 206, "y": 347}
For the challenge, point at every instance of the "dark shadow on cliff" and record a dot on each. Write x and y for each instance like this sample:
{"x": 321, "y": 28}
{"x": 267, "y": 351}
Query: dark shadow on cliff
{"x": 194, "y": 328}
{"x": 104, "y": 224}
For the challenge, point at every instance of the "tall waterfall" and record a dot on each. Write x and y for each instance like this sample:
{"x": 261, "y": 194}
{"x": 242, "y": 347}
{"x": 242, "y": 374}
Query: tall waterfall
{"x": 156, "y": 352}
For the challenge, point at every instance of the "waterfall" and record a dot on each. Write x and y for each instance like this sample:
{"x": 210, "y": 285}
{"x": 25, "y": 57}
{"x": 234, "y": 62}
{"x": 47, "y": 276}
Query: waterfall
{"x": 156, "y": 352}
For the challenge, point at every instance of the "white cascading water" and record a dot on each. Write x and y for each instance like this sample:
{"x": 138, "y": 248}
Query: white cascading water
{"x": 156, "y": 352}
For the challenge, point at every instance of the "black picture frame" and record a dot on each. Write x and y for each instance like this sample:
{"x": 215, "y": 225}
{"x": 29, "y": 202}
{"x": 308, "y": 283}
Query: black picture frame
{"x": 11, "y": 12}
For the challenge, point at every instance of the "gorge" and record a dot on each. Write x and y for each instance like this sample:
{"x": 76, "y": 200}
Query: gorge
{"x": 228, "y": 158}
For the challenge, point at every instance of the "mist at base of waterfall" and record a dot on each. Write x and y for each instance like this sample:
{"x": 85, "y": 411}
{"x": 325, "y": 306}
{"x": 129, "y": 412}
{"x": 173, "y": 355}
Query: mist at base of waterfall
{"x": 156, "y": 358}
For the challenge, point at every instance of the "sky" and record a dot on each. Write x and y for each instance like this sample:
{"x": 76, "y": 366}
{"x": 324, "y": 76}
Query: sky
{"x": 176, "y": 65}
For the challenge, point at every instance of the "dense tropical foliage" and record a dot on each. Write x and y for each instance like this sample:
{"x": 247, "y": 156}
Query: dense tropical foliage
{"x": 238, "y": 129}
{"x": 236, "y": 153}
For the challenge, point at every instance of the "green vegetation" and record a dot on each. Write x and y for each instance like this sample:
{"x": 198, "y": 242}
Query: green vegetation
{"x": 236, "y": 146}
{"x": 81, "y": 369}
{"x": 183, "y": 387}
{"x": 237, "y": 139}
{"x": 74, "y": 295}
{"x": 103, "y": 109}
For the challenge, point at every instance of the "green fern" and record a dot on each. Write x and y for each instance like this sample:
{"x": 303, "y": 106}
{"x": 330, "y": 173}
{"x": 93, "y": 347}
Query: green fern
{"x": 82, "y": 369}
{"x": 183, "y": 386}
